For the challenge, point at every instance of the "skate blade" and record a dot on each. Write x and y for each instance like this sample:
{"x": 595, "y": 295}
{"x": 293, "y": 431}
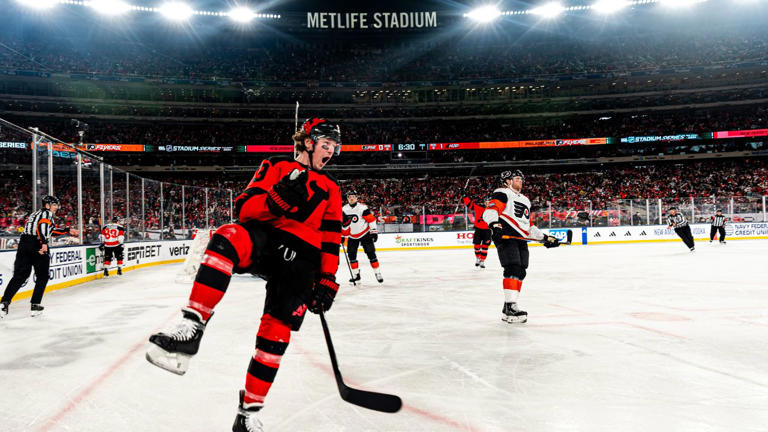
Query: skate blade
{"x": 515, "y": 319}
{"x": 35, "y": 313}
{"x": 172, "y": 362}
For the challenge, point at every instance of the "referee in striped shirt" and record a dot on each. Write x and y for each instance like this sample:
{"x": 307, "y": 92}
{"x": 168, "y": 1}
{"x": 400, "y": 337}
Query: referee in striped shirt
{"x": 718, "y": 226}
{"x": 680, "y": 224}
{"x": 33, "y": 252}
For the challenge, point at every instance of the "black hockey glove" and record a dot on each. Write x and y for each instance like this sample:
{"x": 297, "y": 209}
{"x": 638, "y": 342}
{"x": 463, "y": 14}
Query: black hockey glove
{"x": 323, "y": 293}
{"x": 288, "y": 196}
{"x": 496, "y": 231}
{"x": 550, "y": 241}
{"x": 374, "y": 236}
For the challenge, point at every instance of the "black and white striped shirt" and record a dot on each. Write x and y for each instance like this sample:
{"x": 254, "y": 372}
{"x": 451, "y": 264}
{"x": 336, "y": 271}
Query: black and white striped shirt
{"x": 40, "y": 224}
{"x": 677, "y": 221}
{"x": 718, "y": 221}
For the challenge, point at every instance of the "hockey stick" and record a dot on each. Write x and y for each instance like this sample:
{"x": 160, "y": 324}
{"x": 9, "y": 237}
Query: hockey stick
{"x": 349, "y": 266}
{"x": 569, "y": 238}
{"x": 374, "y": 401}
{"x": 464, "y": 189}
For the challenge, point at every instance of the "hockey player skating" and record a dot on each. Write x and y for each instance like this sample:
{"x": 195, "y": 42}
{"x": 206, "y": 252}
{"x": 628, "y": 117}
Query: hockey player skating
{"x": 718, "y": 226}
{"x": 359, "y": 226}
{"x": 34, "y": 253}
{"x": 288, "y": 232}
{"x": 481, "y": 238}
{"x": 679, "y": 223}
{"x": 112, "y": 244}
{"x": 508, "y": 216}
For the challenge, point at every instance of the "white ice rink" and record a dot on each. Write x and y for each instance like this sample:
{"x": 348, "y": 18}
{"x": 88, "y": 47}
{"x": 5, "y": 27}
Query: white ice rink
{"x": 620, "y": 338}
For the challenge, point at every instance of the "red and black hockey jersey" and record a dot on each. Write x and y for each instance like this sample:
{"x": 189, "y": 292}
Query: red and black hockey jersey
{"x": 319, "y": 229}
{"x": 478, "y": 212}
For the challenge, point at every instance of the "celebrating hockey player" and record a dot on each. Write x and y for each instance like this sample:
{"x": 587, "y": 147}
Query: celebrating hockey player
{"x": 679, "y": 223}
{"x": 288, "y": 232}
{"x": 34, "y": 252}
{"x": 359, "y": 226}
{"x": 481, "y": 238}
{"x": 508, "y": 216}
{"x": 112, "y": 238}
{"x": 718, "y": 226}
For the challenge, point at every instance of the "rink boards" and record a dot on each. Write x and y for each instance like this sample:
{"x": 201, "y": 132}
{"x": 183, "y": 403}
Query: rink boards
{"x": 581, "y": 236}
{"x": 77, "y": 264}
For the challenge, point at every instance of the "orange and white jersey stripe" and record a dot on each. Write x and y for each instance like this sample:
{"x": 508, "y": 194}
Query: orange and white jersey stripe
{"x": 358, "y": 220}
{"x": 513, "y": 209}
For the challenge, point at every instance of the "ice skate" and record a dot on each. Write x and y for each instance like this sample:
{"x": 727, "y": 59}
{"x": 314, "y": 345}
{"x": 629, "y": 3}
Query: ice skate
{"x": 36, "y": 310}
{"x": 482, "y": 264}
{"x": 246, "y": 420}
{"x": 355, "y": 279}
{"x": 106, "y": 273}
{"x": 119, "y": 271}
{"x": 477, "y": 262}
{"x": 379, "y": 277}
{"x": 3, "y": 310}
{"x": 513, "y": 315}
{"x": 722, "y": 241}
{"x": 173, "y": 350}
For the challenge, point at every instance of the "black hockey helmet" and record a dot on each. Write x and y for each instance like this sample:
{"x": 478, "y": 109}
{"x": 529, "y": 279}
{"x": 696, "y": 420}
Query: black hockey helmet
{"x": 50, "y": 199}
{"x": 318, "y": 128}
{"x": 509, "y": 175}
{"x": 115, "y": 219}
{"x": 351, "y": 192}
{"x": 672, "y": 208}
{"x": 718, "y": 211}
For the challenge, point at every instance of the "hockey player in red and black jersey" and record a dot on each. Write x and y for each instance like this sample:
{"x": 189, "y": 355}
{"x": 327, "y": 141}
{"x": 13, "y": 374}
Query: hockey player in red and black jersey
{"x": 288, "y": 232}
{"x": 112, "y": 239}
{"x": 482, "y": 235}
{"x": 359, "y": 226}
{"x": 508, "y": 215}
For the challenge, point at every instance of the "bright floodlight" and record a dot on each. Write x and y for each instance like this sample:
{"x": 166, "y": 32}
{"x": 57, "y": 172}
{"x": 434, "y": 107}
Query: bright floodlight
{"x": 484, "y": 14}
{"x": 549, "y": 10}
{"x": 241, "y": 14}
{"x": 176, "y": 11}
{"x": 610, "y": 6}
{"x": 39, "y": 4}
{"x": 110, "y": 7}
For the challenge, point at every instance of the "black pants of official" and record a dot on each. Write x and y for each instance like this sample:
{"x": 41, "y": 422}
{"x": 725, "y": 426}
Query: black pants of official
{"x": 28, "y": 256}
{"x": 685, "y": 234}
{"x": 513, "y": 256}
{"x": 368, "y": 248}
{"x": 714, "y": 230}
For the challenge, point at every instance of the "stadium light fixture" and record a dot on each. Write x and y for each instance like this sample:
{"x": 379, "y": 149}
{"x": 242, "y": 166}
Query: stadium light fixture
{"x": 610, "y": 6}
{"x": 241, "y": 14}
{"x": 176, "y": 11}
{"x": 38, "y": 4}
{"x": 484, "y": 14}
{"x": 110, "y": 7}
{"x": 549, "y": 10}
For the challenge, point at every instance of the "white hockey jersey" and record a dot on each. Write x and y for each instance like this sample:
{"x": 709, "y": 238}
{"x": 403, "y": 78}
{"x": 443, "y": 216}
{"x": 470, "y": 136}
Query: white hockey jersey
{"x": 513, "y": 209}
{"x": 357, "y": 221}
{"x": 112, "y": 235}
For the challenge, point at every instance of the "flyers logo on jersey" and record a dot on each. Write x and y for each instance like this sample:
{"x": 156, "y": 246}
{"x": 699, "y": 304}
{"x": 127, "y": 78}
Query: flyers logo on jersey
{"x": 521, "y": 210}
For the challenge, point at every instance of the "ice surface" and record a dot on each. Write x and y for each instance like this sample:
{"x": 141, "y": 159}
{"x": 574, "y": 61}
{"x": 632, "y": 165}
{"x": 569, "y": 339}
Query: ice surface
{"x": 620, "y": 338}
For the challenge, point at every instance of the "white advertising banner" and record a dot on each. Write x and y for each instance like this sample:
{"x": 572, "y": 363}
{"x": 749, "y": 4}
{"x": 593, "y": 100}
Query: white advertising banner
{"x": 75, "y": 264}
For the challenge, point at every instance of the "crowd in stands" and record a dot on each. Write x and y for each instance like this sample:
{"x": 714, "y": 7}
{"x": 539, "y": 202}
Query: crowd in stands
{"x": 606, "y": 190}
{"x": 356, "y": 60}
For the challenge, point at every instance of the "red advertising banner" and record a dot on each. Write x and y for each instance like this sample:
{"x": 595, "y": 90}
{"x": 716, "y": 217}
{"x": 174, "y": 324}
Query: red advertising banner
{"x": 269, "y": 149}
{"x": 742, "y": 133}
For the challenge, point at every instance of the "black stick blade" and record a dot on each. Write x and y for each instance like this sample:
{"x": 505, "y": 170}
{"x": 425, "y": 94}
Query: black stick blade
{"x": 371, "y": 400}
{"x": 374, "y": 401}
{"x": 570, "y": 236}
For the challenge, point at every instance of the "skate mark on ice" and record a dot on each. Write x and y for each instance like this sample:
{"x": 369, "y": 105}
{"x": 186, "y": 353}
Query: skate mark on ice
{"x": 83, "y": 395}
{"x": 657, "y": 316}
